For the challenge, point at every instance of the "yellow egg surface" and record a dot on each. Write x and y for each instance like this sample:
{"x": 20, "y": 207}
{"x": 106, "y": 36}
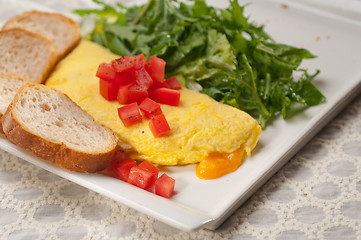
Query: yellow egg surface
{"x": 199, "y": 125}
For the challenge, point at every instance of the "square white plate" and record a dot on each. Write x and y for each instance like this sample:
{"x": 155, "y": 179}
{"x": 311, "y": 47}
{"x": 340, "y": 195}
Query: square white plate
{"x": 206, "y": 204}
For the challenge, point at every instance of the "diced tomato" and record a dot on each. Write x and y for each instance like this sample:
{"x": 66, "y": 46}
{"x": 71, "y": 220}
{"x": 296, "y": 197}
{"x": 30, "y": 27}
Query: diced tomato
{"x": 173, "y": 83}
{"x": 108, "y": 89}
{"x": 164, "y": 186}
{"x": 131, "y": 93}
{"x": 150, "y": 108}
{"x": 150, "y": 167}
{"x": 141, "y": 62}
{"x": 159, "y": 125}
{"x": 122, "y": 168}
{"x": 165, "y": 96}
{"x": 119, "y": 155}
{"x": 124, "y": 78}
{"x": 106, "y": 71}
{"x": 142, "y": 78}
{"x": 159, "y": 85}
{"x": 130, "y": 114}
{"x": 123, "y": 64}
{"x": 141, "y": 177}
{"x": 130, "y": 63}
{"x": 157, "y": 69}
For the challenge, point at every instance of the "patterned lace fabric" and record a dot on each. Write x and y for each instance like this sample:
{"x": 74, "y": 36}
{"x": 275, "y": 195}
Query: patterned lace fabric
{"x": 316, "y": 195}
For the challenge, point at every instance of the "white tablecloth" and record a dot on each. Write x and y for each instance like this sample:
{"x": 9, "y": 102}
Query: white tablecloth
{"x": 317, "y": 195}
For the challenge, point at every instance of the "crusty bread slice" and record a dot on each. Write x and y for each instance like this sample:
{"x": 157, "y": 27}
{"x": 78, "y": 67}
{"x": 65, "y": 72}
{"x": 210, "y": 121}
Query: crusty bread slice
{"x": 9, "y": 85}
{"x": 63, "y": 31}
{"x": 26, "y": 54}
{"x": 53, "y": 127}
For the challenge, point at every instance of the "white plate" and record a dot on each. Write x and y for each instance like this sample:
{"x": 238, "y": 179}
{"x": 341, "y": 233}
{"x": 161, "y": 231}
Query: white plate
{"x": 206, "y": 204}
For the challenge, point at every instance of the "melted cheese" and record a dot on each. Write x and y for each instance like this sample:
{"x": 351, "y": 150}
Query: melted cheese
{"x": 217, "y": 164}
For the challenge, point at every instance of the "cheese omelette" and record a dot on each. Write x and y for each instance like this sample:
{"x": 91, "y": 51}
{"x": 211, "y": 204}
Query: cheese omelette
{"x": 200, "y": 126}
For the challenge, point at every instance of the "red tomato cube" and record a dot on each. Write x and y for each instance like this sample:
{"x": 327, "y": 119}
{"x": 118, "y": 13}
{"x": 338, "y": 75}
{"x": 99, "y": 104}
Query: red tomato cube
{"x": 123, "y": 64}
{"x": 130, "y": 63}
{"x": 124, "y": 78}
{"x": 130, "y": 114}
{"x": 141, "y": 177}
{"x": 106, "y": 71}
{"x": 150, "y": 167}
{"x": 159, "y": 126}
{"x": 173, "y": 83}
{"x": 131, "y": 93}
{"x": 159, "y": 85}
{"x": 164, "y": 186}
{"x": 157, "y": 69}
{"x": 119, "y": 155}
{"x": 142, "y": 78}
{"x": 122, "y": 168}
{"x": 165, "y": 96}
{"x": 108, "y": 89}
{"x": 141, "y": 62}
{"x": 150, "y": 108}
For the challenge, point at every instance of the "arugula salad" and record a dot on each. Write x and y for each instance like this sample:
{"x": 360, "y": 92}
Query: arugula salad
{"x": 219, "y": 52}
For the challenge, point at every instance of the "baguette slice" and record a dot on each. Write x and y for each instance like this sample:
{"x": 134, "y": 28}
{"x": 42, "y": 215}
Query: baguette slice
{"x": 61, "y": 30}
{"x": 49, "y": 124}
{"x": 26, "y": 54}
{"x": 9, "y": 85}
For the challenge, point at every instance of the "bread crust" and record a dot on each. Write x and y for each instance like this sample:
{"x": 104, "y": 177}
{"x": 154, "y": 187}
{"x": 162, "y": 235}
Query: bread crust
{"x": 74, "y": 24}
{"x": 1, "y": 126}
{"x": 57, "y": 153}
{"x": 50, "y": 65}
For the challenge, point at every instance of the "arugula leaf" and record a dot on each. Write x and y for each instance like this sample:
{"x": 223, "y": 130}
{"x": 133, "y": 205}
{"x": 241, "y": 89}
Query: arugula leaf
{"x": 216, "y": 51}
{"x": 273, "y": 56}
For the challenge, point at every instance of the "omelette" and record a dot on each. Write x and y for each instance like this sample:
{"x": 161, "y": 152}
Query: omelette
{"x": 203, "y": 131}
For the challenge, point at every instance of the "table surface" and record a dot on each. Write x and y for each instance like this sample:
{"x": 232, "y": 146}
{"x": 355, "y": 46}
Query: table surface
{"x": 316, "y": 195}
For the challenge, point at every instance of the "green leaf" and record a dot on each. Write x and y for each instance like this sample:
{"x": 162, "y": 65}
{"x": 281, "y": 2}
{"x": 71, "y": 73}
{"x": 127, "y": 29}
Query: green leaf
{"x": 311, "y": 95}
{"x": 278, "y": 58}
{"x": 200, "y": 8}
{"x": 118, "y": 47}
{"x": 238, "y": 17}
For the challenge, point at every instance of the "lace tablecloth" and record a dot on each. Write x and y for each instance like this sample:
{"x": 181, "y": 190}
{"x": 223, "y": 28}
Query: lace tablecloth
{"x": 317, "y": 195}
